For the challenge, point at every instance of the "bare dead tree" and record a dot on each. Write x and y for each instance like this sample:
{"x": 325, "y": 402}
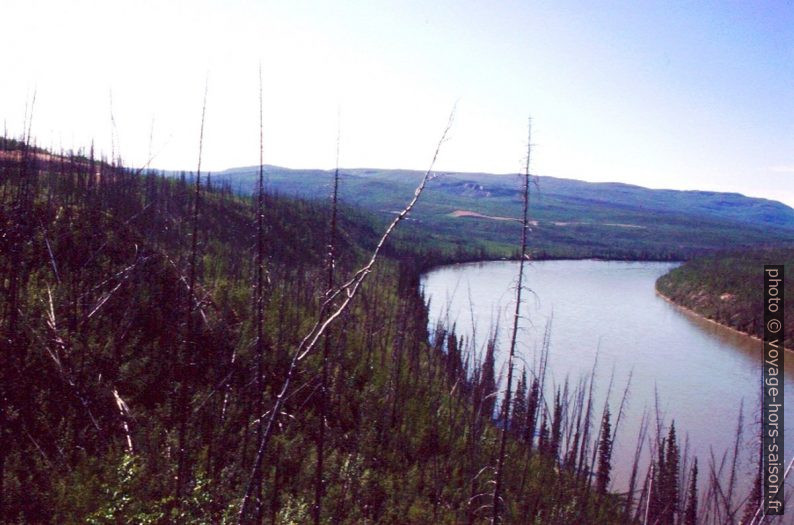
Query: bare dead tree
{"x": 124, "y": 415}
{"x": 516, "y": 316}
{"x": 319, "y": 487}
{"x": 259, "y": 292}
{"x": 113, "y": 132}
{"x": 336, "y": 302}
{"x": 634, "y": 469}
{"x": 189, "y": 359}
{"x": 729, "y": 508}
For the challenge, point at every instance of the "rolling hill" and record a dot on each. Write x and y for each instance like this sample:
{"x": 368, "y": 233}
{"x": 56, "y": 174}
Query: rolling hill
{"x": 572, "y": 218}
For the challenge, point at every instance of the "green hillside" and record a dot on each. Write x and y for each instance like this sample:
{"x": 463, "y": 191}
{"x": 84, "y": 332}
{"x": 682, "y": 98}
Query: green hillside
{"x": 574, "y": 218}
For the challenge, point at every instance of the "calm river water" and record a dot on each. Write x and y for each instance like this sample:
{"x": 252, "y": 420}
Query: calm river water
{"x": 701, "y": 371}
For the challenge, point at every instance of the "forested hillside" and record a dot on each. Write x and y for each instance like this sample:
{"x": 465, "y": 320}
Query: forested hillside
{"x": 571, "y": 218}
{"x": 155, "y": 369}
{"x": 135, "y": 389}
{"x": 729, "y": 288}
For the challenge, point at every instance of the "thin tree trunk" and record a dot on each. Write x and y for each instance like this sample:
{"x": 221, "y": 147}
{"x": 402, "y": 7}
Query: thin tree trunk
{"x": 259, "y": 295}
{"x": 516, "y": 316}
{"x": 319, "y": 488}
{"x": 188, "y": 361}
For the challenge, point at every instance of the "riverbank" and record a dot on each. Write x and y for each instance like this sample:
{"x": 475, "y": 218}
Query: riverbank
{"x": 701, "y": 316}
{"x": 727, "y": 288}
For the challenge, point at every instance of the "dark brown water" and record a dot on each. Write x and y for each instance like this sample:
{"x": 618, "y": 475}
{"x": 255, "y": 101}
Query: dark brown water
{"x": 701, "y": 371}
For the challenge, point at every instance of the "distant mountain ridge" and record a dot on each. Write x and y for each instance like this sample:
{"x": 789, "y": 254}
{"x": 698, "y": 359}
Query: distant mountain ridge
{"x": 572, "y": 217}
{"x": 719, "y": 204}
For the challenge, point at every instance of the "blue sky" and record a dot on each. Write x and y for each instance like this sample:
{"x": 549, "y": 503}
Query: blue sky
{"x": 689, "y": 95}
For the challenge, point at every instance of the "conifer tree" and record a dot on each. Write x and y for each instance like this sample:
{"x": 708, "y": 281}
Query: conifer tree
{"x": 543, "y": 437}
{"x": 556, "y": 427}
{"x": 532, "y": 413}
{"x": 691, "y": 512}
{"x": 665, "y": 495}
{"x": 487, "y": 383}
{"x": 671, "y": 489}
{"x": 518, "y": 419}
{"x": 656, "y": 498}
{"x": 604, "y": 455}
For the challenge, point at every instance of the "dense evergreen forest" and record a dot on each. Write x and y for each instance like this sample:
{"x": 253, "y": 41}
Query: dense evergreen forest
{"x": 155, "y": 369}
{"x": 729, "y": 288}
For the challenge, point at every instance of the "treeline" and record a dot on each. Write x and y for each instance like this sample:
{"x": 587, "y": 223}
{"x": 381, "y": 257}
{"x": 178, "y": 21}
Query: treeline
{"x": 143, "y": 353}
{"x": 729, "y": 288}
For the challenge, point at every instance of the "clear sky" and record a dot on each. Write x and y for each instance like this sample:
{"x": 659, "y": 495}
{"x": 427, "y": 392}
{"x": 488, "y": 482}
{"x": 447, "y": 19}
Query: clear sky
{"x": 689, "y": 95}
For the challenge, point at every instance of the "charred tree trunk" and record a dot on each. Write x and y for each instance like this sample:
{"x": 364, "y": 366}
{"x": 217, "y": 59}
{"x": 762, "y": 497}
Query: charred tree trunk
{"x": 319, "y": 487}
{"x": 187, "y": 364}
{"x": 497, "y": 493}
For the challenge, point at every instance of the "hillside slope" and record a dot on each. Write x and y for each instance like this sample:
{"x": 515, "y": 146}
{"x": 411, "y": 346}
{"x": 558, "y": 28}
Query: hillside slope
{"x": 132, "y": 390}
{"x": 573, "y": 218}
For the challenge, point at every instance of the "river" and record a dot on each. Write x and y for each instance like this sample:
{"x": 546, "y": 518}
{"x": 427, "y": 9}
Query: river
{"x": 699, "y": 372}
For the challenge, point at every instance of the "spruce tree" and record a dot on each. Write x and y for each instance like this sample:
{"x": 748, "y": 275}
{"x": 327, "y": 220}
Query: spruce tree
{"x": 656, "y": 503}
{"x": 532, "y": 412}
{"x": 556, "y": 427}
{"x": 691, "y": 512}
{"x": 518, "y": 418}
{"x": 671, "y": 490}
{"x": 543, "y": 438}
{"x": 487, "y": 385}
{"x": 604, "y": 454}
